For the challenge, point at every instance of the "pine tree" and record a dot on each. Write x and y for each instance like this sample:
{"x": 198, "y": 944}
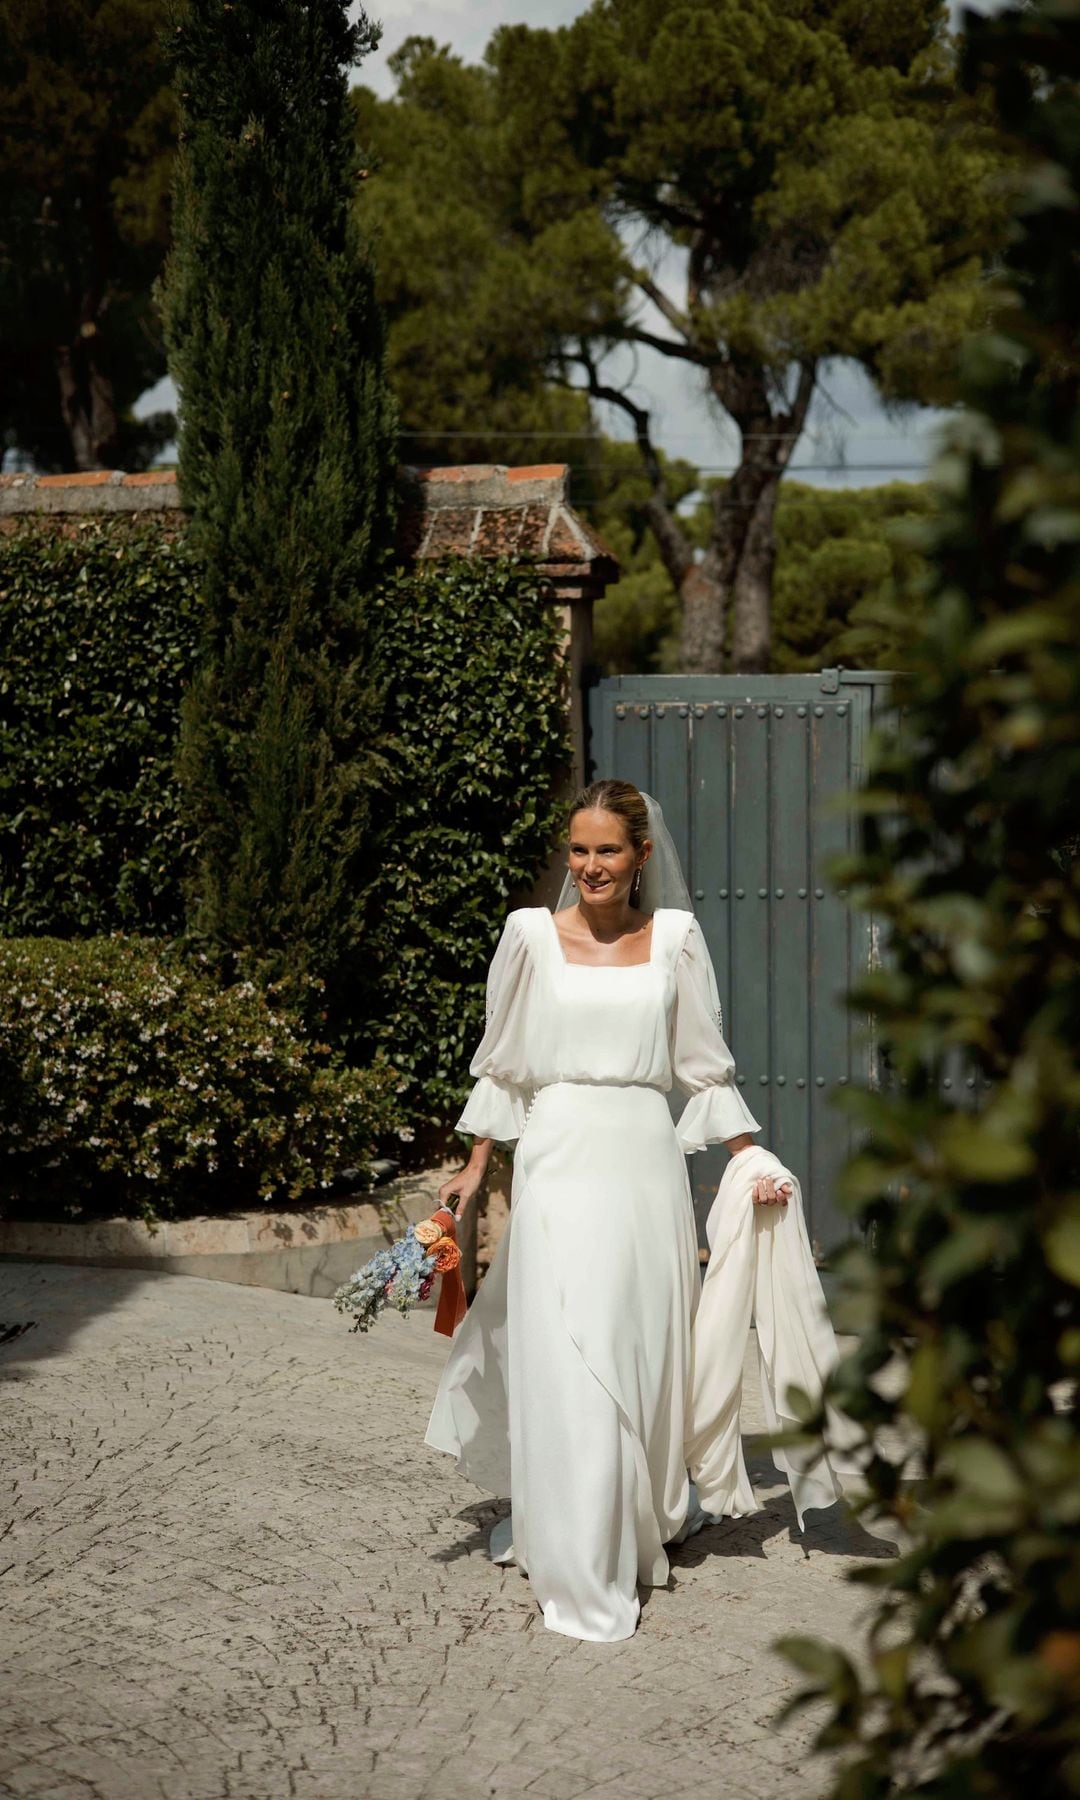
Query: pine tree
{"x": 287, "y": 455}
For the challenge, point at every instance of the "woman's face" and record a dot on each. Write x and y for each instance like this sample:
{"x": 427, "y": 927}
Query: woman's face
{"x": 601, "y": 858}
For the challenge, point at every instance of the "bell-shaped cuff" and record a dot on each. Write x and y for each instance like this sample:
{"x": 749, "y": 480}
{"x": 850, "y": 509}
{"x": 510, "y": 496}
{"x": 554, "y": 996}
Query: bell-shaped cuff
{"x": 701, "y": 1061}
{"x": 495, "y": 1109}
{"x": 714, "y": 1115}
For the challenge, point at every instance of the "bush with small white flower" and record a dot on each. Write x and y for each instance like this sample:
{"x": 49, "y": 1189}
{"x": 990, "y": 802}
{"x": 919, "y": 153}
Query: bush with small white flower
{"x": 132, "y": 1082}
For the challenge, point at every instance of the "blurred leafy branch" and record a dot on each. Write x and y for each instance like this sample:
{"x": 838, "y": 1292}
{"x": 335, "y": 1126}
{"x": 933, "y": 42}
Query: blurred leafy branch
{"x": 964, "y": 1290}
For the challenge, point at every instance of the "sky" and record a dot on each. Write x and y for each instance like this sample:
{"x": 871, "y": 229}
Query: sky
{"x": 851, "y": 439}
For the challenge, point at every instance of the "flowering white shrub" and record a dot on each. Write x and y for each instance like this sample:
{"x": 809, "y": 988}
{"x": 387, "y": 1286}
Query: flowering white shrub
{"x": 132, "y": 1082}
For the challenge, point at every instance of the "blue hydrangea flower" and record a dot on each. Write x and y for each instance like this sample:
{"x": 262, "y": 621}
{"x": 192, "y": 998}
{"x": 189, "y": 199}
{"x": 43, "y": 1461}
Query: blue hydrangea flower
{"x": 395, "y": 1275}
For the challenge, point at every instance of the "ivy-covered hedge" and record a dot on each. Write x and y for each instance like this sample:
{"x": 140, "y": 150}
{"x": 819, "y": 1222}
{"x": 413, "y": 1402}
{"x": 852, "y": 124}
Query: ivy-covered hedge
{"x": 476, "y": 741}
{"x": 132, "y": 1083}
{"x": 98, "y": 631}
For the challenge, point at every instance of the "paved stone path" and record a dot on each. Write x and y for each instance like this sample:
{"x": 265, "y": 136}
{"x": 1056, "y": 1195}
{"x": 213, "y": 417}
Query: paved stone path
{"x": 230, "y": 1570}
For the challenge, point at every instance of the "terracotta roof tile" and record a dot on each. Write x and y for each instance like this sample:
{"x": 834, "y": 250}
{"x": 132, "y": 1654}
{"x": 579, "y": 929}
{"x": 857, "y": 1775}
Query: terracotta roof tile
{"x": 448, "y": 531}
{"x": 90, "y": 478}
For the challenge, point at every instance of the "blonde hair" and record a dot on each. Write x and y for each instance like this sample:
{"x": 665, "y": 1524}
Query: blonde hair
{"x": 618, "y": 797}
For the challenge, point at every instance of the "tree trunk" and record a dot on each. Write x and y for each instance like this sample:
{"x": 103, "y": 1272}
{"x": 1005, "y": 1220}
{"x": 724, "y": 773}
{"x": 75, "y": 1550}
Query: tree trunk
{"x": 737, "y": 566}
{"x": 751, "y": 641}
{"x": 704, "y": 617}
{"x": 736, "y": 572}
{"x": 87, "y": 404}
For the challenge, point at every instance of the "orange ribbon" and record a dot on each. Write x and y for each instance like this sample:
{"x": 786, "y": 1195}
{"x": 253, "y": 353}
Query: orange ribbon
{"x": 452, "y": 1305}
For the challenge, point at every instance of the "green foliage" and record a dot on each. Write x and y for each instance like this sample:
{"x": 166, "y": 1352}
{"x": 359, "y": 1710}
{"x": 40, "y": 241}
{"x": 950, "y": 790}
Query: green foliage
{"x": 132, "y": 1083}
{"x": 847, "y": 566}
{"x": 472, "y": 739}
{"x": 99, "y": 631}
{"x": 287, "y": 462}
{"x": 87, "y": 126}
{"x": 449, "y": 276}
{"x": 636, "y": 622}
{"x": 968, "y": 1282}
{"x": 830, "y": 208}
{"x": 475, "y": 742}
{"x": 811, "y": 170}
{"x": 843, "y": 559}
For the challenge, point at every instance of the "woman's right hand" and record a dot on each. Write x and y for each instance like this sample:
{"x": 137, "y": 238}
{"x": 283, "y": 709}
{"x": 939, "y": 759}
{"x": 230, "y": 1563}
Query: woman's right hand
{"x": 461, "y": 1189}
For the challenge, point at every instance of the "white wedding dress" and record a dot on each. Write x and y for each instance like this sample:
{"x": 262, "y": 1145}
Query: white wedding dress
{"x": 570, "y": 1384}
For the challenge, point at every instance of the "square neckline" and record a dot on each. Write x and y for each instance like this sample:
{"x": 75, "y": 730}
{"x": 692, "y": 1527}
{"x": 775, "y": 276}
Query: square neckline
{"x": 568, "y": 963}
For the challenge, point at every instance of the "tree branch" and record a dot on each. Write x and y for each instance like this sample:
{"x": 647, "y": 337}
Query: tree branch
{"x": 667, "y": 346}
{"x": 795, "y": 418}
{"x": 675, "y": 547}
{"x": 677, "y": 320}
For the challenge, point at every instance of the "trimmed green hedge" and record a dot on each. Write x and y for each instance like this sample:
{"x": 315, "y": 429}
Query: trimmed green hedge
{"x": 99, "y": 632}
{"x": 476, "y": 742}
{"x": 130, "y": 1082}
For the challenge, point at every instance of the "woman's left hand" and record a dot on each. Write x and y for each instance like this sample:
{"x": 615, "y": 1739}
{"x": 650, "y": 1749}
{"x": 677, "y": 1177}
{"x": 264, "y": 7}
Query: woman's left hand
{"x": 768, "y": 1192}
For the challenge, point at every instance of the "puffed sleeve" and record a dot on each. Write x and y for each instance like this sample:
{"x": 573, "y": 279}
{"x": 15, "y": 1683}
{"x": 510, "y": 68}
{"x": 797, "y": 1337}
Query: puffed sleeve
{"x": 497, "y": 1106}
{"x": 701, "y": 1061}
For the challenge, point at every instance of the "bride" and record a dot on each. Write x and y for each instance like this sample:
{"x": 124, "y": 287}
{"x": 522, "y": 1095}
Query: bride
{"x": 592, "y": 1368}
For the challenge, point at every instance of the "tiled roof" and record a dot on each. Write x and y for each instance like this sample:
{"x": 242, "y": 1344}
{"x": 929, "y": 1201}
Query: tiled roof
{"x": 479, "y": 510}
{"x": 484, "y": 510}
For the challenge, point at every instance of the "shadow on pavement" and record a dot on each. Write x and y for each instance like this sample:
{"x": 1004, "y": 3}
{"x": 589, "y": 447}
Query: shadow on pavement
{"x": 481, "y": 1516}
{"x": 833, "y": 1532}
{"x": 44, "y": 1306}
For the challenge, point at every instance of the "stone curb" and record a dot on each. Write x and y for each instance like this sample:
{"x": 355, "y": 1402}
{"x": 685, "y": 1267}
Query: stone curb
{"x": 307, "y": 1251}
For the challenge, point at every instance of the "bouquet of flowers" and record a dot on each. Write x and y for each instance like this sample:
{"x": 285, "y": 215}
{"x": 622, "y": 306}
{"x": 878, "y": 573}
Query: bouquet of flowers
{"x": 403, "y": 1274}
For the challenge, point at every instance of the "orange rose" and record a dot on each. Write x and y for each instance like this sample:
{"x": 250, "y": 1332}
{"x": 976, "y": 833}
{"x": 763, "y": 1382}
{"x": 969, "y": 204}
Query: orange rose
{"x": 427, "y": 1233}
{"x": 1059, "y": 1652}
{"x": 447, "y": 1255}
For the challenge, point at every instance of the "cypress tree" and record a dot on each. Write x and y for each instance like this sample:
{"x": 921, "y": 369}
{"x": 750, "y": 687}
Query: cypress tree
{"x": 287, "y": 457}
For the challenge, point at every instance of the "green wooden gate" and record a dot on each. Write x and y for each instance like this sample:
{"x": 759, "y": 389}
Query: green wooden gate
{"x": 742, "y": 766}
